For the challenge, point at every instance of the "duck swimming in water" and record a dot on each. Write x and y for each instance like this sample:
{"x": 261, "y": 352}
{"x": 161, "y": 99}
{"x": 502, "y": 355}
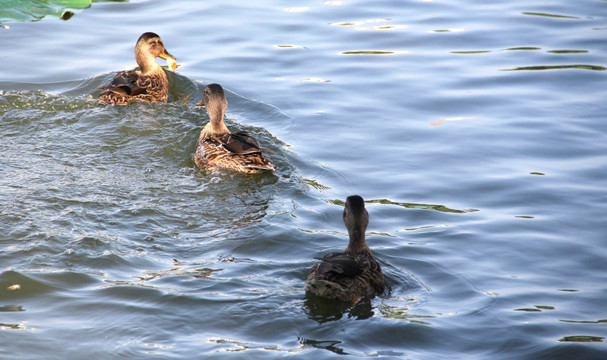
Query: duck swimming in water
{"x": 149, "y": 82}
{"x": 218, "y": 147}
{"x": 353, "y": 273}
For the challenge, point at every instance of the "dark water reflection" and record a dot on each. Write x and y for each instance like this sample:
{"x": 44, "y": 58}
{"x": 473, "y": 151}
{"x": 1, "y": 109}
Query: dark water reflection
{"x": 322, "y": 311}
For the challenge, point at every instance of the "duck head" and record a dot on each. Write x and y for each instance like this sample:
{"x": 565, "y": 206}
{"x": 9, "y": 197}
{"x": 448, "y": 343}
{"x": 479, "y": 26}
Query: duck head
{"x": 150, "y": 46}
{"x": 216, "y": 103}
{"x": 356, "y": 219}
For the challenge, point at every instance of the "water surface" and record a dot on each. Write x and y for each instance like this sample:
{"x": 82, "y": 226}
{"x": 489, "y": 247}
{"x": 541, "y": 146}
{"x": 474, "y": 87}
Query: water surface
{"x": 475, "y": 132}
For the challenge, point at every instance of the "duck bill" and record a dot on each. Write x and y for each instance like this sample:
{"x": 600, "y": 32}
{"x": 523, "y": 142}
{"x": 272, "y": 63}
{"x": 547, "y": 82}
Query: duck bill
{"x": 200, "y": 103}
{"x": 171, "y": 60}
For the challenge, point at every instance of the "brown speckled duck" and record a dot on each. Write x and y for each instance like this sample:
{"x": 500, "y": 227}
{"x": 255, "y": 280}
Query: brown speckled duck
{"x": 353, "y": 273}
{"x": 218, "y": 147}
{"x": 149, "y": 82}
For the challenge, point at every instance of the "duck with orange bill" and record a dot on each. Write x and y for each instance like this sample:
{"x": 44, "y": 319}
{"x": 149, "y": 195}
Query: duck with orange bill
{"x": 147, "y": 83}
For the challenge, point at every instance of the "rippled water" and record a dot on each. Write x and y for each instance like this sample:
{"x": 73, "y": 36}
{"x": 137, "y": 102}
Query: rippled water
{"x": 475, "y": 131}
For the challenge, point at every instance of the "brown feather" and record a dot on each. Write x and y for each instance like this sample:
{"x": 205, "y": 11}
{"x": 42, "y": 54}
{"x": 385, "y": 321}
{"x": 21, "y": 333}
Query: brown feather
{"x": 131, "y": 85}
{"x": 217, "y": 147}
{"x": 149, "y": 83}
{"x": 353, "y": 273}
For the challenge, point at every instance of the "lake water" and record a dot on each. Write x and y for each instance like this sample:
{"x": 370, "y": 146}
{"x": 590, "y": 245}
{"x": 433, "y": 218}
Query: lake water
{"x": 476, "y": 131}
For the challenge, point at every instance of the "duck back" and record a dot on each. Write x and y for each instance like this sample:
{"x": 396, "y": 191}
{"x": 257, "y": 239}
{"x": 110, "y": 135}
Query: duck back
{"x": 345, "y": 276}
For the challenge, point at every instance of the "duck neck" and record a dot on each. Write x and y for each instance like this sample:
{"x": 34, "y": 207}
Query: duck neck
{"x": 146, "y": 62}
{"x": 357, "y": 239}
{"x": 216, "y": 125}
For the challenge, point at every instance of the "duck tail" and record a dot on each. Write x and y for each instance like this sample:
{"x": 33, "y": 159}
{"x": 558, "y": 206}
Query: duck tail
{"x": 326, "y": 289}
{"x": 258, "y": 167}
{"x": 267, "y": 151}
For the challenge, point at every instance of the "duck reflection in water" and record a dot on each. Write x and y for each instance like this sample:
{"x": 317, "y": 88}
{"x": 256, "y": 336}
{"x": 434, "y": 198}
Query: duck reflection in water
{"x": 322, "y": 310}
{"x": 235, "y": 202}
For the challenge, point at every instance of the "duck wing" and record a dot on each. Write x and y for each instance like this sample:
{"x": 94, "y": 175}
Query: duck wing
{"x": 130, "y": 85}
{"x": 341, "y": 264}
{"x": 125, "y": 86}
{"x": 240, "y": 143}
{"x": 232, "y": 151}
{"x": 345, "y": 276}
{"x": 249, "y": 139}
{"x": 127, "y": 82}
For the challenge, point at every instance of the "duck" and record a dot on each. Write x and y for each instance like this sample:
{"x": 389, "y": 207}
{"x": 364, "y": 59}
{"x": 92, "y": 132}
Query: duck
{"x": 149, "y": 82}
{"x": 220, "y": 148}
{"x": 353, "y": 273}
